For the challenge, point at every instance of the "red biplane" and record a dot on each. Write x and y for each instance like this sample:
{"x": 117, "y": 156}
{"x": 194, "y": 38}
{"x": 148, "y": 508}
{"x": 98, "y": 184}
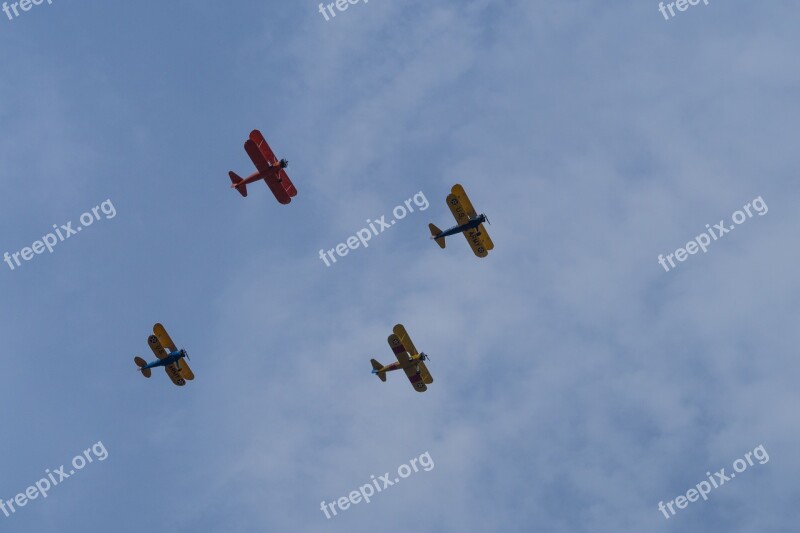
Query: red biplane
{"x": 268, "y": 168}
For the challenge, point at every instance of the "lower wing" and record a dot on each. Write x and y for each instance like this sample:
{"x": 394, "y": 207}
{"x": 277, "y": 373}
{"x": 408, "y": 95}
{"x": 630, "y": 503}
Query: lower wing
{"x": 186, "y": 372}
{"x": 476, "y": 242}
{"x": 277, "y": 188}
{"x": 175, "y": 375}
{"x": 487, "y": 241}
{"x": 287, "y": 183}
{"x": 414, "y": 373}
{"x": 426, "y": 376}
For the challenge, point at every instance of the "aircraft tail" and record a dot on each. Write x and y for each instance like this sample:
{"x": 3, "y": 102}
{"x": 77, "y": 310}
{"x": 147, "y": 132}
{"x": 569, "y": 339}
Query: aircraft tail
{"x": 376, "y": 366}
{"x": 236, "y": 183}
{"x": 141, "y": 363}
{"x": 434, "y": 232}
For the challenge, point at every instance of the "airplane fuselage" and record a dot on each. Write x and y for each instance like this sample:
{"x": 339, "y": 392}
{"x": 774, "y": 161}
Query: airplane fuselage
{"x": 470, "y": 224}
{"x": 258, "y": 176}
{"x": 415, "y": 359}
{"x": 174, "y": 357}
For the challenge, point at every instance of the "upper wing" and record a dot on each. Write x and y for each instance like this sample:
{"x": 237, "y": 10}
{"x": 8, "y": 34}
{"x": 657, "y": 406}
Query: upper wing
{"x": 186, "y": 372}
{"x": 458, "y": 190}
{"x": 155, "y": 345}
{"x": 163, "y": 338}
{"x": 263, "y": 147}
{"x": 401, "y": 332}
{"x": 175, "y": 375}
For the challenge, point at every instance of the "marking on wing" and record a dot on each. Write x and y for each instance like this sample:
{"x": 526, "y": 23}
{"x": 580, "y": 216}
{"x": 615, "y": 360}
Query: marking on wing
{"x": 476, "y": 243}
{"x": 174, "y": 375}
{"x": 405, "y": 338}
{"x": 156, "y": 347}
{"x": 459, "y": 213}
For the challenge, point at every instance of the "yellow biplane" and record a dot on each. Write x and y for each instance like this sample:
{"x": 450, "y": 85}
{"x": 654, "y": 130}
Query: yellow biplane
{"x": 408, "y": 358}
{"x": 470, "y": 223}
{"x": 169, "y": 356}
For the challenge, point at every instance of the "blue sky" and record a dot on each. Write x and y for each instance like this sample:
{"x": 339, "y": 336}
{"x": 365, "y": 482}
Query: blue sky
{"x": 577, "y": 384}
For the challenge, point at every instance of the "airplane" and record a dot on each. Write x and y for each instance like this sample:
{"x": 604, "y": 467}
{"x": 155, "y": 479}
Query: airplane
{"x": 407, "y": 358}
{"x": 168, "y": 356}
{"x": 268, "y": 168}
{"x": 469, "y": 222}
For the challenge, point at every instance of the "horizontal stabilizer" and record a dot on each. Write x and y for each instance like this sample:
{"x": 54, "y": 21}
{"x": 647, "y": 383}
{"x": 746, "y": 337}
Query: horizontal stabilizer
{"x": 376, "y": 366}
{"x": 236, "y": 183}
{"x": 434, "y": 232}
{"x": 141, "y": 363}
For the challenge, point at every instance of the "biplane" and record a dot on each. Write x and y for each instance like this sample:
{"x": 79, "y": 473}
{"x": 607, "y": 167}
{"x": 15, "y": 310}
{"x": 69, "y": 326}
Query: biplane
{"x": 268, "y": 168}
{"x": 470, "y": 223}
{"x": 408, "y": 358}
{"x": 169, "y": 357}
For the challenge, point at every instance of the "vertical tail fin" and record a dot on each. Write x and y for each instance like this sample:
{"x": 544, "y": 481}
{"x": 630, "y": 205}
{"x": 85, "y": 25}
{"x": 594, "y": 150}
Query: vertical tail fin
{"x": 434, "y": 232}
{"x": 376, "y": 366}
{"x": 236, "y": 183}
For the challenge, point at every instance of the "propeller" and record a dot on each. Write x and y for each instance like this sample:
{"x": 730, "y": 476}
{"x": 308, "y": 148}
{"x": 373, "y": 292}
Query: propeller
{"x": 487, "y": 219}
{"x": 186, "y": 354}
{"x": 424, "y": 357}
